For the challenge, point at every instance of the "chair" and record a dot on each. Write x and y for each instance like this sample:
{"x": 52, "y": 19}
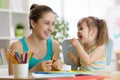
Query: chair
{"x": 65, "y": 49}
{"x": 109, "y": 51}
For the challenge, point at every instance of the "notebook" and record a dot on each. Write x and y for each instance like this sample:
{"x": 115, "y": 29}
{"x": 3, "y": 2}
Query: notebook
{"x": 57, "y": 74}
{"x": 50, "y": 75}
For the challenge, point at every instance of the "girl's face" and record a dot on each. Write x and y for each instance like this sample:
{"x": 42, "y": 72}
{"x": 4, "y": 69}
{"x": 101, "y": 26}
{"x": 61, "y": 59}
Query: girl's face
{"x": 85, "y": 34}
{"x": 44, "y": 25}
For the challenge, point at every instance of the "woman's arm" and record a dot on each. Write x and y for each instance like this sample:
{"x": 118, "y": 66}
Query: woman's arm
{"x": 57, "y": 63}
{"x": 42, "y": 66}
{"x": 15, "y": 46}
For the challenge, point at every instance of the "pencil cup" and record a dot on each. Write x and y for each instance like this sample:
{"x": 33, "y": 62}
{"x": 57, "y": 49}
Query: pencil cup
{"x": 20, "y": 70}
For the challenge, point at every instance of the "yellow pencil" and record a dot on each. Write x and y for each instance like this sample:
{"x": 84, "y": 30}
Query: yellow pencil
{"x": 12, "y": 58}
{"x": 29, "y": 56}
{"x": 53, "y": 57}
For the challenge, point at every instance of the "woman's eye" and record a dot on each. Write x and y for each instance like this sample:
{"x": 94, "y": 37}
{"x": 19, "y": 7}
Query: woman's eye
{"x": 50, "y": 23}
{"x": 53, "y": 23}
{"x": 47, "y": 23}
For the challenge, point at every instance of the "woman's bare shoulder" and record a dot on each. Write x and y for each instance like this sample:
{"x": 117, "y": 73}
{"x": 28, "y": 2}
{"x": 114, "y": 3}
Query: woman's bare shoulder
{"x": 55, "y": 42}
{"x": 17, "y": 46}
{"x": 55, "y": 46}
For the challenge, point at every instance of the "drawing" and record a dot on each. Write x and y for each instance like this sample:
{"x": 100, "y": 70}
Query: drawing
{"x": 113, "y": 22}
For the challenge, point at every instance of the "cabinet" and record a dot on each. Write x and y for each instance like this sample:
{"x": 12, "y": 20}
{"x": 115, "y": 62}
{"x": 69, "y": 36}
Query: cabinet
{"x": 12, "y": 12}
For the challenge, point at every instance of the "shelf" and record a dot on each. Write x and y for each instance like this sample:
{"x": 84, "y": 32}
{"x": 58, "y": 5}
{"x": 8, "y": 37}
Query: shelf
{"x": 20, "y": 12}
{"x": 5, "y": 38}
{"x": 4, "y": 4}
{"x": 5, "y": 43}
{"x": 4, "y": 23}
{"x": 4, "y": 10}
{"x": 9, "y": 38}
{"x": 19, "y": 5}
{"x": 19, "y": 18}
{"x": 12, "y": 12}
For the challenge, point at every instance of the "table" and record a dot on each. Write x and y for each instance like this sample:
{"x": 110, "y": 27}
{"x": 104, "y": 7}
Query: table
{"x": 112, "y": 76}
{"x": 71, "y": 78}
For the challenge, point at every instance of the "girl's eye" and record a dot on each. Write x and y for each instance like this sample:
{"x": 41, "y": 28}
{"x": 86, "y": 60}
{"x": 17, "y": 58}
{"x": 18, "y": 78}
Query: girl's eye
{"x": 80, "y": 28}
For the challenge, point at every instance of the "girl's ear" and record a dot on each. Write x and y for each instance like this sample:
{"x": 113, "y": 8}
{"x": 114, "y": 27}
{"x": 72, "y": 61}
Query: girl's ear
{"x": 93, "y": 31}
{"x": 32, "y": 22}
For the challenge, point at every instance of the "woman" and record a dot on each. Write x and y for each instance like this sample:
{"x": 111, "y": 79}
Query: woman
{"x": 42, "y": 21}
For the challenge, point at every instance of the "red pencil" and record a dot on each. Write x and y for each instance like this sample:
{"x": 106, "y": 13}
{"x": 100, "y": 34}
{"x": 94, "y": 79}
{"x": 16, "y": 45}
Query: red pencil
{"x": 15, "y": 56}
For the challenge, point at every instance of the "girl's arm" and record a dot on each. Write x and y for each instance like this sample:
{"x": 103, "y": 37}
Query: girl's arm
{"x": 88, "y": 59}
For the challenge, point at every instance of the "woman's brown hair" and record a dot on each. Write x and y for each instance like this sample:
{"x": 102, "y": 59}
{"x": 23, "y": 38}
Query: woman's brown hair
{"x": 37, "y": 12}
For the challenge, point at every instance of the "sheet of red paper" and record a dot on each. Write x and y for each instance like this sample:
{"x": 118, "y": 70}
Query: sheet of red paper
{"x": 82, "y": 78}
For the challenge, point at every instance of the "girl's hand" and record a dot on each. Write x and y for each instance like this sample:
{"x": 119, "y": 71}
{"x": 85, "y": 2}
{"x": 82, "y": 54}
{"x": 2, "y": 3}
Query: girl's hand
{"x": 57, "y": 65}
{"x": 46, "y": 65}
{"x": 75, "y": 42}
{"x": 70, "y": 56}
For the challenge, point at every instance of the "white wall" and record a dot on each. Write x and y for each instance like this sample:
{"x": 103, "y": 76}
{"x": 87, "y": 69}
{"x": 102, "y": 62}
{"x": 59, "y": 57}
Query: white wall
{"x": 73, "y": 10}
{"x": 54, "y": 4}
{"x": 81, "y": 8}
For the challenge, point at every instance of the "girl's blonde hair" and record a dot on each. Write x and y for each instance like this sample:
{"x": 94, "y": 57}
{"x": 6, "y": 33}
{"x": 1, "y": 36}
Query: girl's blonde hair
{"x": 102, "y": 35}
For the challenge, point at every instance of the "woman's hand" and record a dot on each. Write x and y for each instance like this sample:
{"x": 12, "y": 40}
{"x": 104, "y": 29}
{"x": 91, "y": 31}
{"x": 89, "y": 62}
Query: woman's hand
{"x": 57, "y": 65}
{"x": 45, "y": 65}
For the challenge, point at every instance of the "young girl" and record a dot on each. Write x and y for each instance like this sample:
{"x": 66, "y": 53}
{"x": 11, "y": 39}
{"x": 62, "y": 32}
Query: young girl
{"x": 93, "y": 36}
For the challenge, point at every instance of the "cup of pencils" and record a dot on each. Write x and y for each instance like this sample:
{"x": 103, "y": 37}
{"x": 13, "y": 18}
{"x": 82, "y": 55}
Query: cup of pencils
{"x": 20, "y": 63}
{"x": 20, "y": 70}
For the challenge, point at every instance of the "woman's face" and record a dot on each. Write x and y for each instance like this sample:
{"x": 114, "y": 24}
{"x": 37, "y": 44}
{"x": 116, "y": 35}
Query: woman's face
{"x": 44, "y": 25}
